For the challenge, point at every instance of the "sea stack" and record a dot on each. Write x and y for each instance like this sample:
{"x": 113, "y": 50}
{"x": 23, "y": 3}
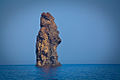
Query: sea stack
{"x": 47, "y": 41}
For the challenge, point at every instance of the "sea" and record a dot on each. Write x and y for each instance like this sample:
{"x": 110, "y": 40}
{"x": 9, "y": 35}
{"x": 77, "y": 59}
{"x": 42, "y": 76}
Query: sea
{"x": 64, "y": 72}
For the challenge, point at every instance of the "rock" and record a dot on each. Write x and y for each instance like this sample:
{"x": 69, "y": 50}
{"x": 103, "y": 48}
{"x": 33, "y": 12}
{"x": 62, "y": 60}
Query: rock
{"x": 47, "y": 41}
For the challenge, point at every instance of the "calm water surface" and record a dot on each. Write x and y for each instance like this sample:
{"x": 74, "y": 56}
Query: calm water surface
{"x": 65, "y": 72}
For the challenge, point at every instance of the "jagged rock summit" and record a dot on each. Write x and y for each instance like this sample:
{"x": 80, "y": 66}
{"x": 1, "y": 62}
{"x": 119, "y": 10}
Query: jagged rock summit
{"x": 47, "y": 41}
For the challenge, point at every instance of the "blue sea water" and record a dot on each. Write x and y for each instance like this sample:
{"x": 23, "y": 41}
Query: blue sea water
{"x": 64, "y": 72}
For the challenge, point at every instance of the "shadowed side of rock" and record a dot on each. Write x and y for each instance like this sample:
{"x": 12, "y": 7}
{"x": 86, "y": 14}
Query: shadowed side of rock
{"x": 47, "y": 41}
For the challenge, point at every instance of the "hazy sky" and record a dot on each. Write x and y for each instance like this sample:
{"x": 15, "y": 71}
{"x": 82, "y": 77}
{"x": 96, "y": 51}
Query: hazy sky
{"x": 89, "y": 30}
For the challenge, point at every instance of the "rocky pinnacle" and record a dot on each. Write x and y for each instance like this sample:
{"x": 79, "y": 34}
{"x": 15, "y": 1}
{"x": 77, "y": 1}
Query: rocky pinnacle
{"x": 47, "y": 41}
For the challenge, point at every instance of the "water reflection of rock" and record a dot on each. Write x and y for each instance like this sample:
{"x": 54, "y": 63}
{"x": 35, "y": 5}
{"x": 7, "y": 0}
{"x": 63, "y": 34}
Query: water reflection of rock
{"x": 46, "y": 74}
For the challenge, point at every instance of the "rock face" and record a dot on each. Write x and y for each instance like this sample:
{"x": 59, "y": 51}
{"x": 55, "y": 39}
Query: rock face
{"x": 47, "y": 41}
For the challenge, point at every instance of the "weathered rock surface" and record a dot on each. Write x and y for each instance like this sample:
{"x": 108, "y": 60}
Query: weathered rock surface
{"x": 47, "y": 41}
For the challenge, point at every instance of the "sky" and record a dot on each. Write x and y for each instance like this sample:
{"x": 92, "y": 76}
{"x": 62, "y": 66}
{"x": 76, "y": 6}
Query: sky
{"x": 89, "y": 30}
